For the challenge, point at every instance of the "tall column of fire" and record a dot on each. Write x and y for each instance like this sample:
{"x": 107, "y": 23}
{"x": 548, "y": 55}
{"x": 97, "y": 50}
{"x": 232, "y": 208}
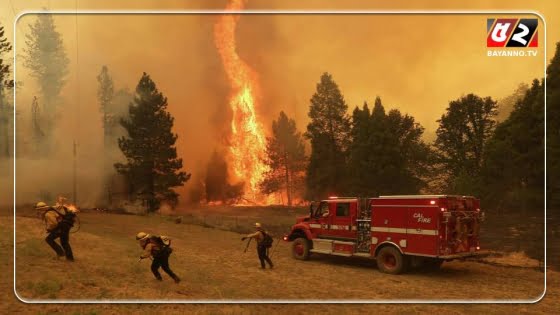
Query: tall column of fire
{"x": 247, "y": 140}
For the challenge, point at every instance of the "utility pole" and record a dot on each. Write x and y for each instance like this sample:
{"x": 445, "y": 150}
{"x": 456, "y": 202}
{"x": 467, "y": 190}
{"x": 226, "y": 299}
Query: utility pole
{"x": 106, "y": 168}
{"x": 75, "y": 169}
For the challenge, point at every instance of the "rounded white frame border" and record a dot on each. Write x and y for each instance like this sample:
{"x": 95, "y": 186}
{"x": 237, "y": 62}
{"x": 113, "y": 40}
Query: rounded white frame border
{"x": 277, "y": 12}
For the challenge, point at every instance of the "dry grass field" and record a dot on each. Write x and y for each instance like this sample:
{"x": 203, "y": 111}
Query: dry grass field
{"x": 213, "y": 266}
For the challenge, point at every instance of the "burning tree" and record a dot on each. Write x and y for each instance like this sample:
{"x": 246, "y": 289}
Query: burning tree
{"x": 216, "y": 182}
{"x": 152, "y": 167}
{"x": 247, "y": 142}
{"x": 285, "y": 158}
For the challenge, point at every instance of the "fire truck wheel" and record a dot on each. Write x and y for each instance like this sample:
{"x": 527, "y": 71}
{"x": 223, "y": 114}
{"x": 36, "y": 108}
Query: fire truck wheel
{"x": 390, "y": 260}
{"x": 300, "y": 248}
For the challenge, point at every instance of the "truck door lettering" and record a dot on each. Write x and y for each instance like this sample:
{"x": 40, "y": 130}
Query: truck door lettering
{"x": 420, "y": 217}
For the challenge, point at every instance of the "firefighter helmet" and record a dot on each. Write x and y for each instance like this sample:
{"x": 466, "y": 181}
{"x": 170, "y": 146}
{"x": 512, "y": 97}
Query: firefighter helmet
{"x": 142, "y": 236}
{"x": 41, "y": 205}
{"x": 258, "y": 225}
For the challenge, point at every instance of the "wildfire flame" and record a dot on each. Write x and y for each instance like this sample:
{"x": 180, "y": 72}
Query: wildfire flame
{"x": 247, "y": 141}
{"x": 72, "y": 207}
{"x": 63, "y": 202}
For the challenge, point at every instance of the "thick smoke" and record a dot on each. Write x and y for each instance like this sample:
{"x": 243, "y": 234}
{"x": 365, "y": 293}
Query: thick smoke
{"x": 416, "y": 64}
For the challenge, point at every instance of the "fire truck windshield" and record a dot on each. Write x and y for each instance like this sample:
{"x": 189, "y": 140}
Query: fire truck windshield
{"x": 317, "y": 210}
{"x": 322, "y": 210}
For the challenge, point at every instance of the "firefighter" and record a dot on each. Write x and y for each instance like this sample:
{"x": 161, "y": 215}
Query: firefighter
{"x": 159, "y": 249}
{"x": 325, "y": 210}
{"x": 58, "y": 220}
{"x": 264, "y": 242}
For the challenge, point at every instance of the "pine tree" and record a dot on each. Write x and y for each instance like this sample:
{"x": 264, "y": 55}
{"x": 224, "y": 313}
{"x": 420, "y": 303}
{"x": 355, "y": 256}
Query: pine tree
{"x": 328, "y": 131}
{"x": 386, "y": 146}
{"x": 360, "y": 151}
{"x": 6, "y": 109}
{"x": 48, "y": 64}
{"x": 506, "y": 105}
{"x": 152, "y": 167}
{"x": 409, "y": 156}
{"x": 553, "y": 128}
{"x": 117, "y": 110}
{"x": 5, "y": 48}
{"x": 461, "y": 136}
{"x": 37, "y": 132}
{"x": 285, "y": 157}
{"x": 105, "y": 92}
{"x": 513, "y": 169}
{"x": 378, "y": 161}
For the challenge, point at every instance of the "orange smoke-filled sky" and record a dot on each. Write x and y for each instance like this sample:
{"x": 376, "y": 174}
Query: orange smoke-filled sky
{"x": 416, "y": 63}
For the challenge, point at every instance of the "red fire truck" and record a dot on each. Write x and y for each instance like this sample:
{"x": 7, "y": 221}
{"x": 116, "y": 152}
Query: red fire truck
{"x": 397, "y": 231}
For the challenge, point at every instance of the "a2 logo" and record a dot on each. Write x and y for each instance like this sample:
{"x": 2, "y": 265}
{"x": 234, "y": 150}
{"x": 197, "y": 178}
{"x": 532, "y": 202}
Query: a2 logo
{"x": 512, "y": 33}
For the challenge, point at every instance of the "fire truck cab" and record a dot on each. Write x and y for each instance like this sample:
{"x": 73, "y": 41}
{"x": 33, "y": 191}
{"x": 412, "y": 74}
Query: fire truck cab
{"x": 398, "y": 231}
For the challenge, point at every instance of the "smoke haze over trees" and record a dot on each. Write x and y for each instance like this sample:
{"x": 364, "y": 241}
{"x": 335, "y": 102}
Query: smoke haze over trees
{"x": 113, "y": 106}
{"x": 513, "y": 169}
{"x": 105, "y": 93}
{"x": 377, "y": 150}
{"x": 48, "y": 64}
{"x": 505, "y": 105}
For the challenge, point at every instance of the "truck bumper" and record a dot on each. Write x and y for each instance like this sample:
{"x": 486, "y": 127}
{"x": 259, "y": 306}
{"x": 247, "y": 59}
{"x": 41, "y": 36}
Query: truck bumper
{"x": 480, "y": 253}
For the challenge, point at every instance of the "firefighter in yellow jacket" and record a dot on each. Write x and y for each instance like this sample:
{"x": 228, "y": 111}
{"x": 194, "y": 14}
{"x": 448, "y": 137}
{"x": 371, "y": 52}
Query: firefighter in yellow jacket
{"x": 157, "y": 248}
{"x": 58, "y": 220}
{"x": 264, "y": 242}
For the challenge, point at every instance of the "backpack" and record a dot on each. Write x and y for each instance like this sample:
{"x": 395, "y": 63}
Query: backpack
{"x": 267, "y": 240}
{"x": 164, "y": 243}
{"x": 68, "y": 217}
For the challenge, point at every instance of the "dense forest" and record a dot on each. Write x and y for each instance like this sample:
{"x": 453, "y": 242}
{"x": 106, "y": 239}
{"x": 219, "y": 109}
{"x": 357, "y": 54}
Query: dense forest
{"x": 493, "y": 153}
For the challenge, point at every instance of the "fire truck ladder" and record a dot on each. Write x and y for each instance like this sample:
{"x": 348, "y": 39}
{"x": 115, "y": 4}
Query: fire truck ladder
{"x": 363, "y": 223}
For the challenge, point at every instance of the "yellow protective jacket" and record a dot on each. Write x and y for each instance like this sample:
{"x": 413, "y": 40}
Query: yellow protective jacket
{"x": 52, "y": 217}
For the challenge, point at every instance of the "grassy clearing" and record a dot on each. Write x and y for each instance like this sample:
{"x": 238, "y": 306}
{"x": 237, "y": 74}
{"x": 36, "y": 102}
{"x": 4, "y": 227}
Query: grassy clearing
{"x": 277, "y": 220}
{"x": 212, "y": 264}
